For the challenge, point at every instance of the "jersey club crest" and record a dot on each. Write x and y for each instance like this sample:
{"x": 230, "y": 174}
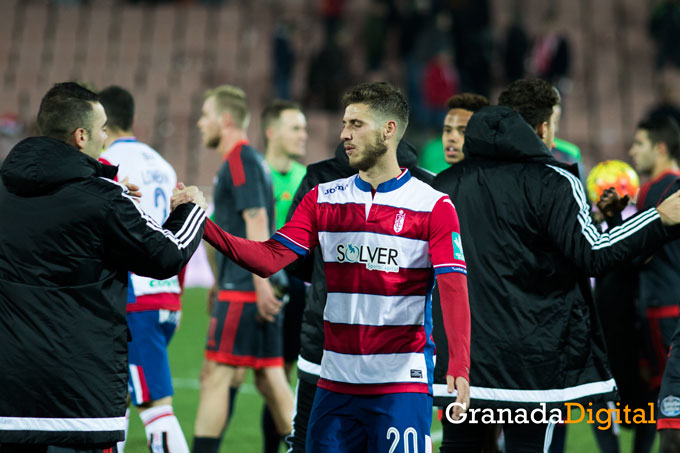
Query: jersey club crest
{"x": 399, "y": 221}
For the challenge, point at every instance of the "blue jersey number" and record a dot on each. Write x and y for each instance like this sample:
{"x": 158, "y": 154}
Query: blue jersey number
{"x": 161, "y": 201}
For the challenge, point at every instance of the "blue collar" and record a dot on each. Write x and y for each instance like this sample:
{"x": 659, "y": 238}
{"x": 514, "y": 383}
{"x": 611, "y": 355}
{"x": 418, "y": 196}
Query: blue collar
{"x": 387, "y": 186}
{"x": 124, "y": 140}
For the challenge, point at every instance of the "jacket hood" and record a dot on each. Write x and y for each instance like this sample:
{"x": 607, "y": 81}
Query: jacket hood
{"x": 406, "y": 154}
{"x": 39, "y": 165}
{"x": 500, "y": 133}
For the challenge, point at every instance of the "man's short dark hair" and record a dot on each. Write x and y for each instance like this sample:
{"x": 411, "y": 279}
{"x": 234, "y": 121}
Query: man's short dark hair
{"x": 65, "y": 108}
{"x": 383, "y": 99}
{"x": 467, "y": 101}
{"x": 663, "y": 129}
{"x": 119, "y": 107}
{"x": 534, "y": 99}
{"x": 273, "y": 111}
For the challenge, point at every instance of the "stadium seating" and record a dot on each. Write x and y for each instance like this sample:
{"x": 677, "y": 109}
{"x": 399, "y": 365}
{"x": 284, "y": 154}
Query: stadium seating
{"x": 167, "y": 55}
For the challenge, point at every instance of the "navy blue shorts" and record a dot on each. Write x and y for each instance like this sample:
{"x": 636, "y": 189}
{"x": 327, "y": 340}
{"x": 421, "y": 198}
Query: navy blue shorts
{"x": 668, "y": 415}
{"x": 381, "y": 423}
{"x": 149, "y": 378}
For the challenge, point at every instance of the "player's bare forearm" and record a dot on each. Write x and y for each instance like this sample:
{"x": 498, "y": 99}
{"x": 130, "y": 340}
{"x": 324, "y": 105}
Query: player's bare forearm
{"x": 211, "y": 255}
{"x": 257, "y": 224}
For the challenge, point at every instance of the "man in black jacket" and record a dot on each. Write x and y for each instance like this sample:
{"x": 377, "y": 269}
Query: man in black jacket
{"x": 530, "y": 245}
{"x": 68, "y": 237}
{"x": 655, "y": 152}
{"x": 312, "y": 270}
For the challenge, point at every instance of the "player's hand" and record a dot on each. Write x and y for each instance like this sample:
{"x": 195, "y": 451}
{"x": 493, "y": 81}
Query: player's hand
{"x": 463, "y": 387}
{"x": 268, "y": 306}
{"x": 182, "y": 194}
{"x": 212, "y": 296}
{"x": 133, "y": 189}
{"x": 611, "y": 204}
{"x": 669, "y": 209}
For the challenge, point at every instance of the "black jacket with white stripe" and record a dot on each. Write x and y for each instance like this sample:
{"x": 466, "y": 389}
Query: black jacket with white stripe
{"x": 530, "y": 246}
{"x": 68, "y": 236}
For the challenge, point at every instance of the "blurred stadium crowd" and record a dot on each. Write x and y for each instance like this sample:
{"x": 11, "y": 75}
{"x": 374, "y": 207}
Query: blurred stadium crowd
{"x": 612, "y": 60}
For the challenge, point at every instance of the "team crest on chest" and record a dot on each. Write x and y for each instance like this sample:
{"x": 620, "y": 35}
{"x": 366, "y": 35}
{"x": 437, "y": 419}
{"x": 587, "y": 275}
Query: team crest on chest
{"x": 399, "y": 221}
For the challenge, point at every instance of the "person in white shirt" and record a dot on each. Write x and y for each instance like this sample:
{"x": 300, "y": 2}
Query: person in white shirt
{"x": 153, "y": 306}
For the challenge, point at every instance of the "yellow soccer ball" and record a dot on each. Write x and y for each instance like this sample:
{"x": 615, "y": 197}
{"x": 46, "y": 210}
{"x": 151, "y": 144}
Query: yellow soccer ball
{"x": 612, "y": 173}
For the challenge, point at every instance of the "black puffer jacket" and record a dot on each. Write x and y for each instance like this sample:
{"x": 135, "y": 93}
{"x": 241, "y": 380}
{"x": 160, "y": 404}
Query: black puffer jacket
{"x": 530, "y": 245}
{"x": 311, "y": 269}
{"x": 68, "y": 236}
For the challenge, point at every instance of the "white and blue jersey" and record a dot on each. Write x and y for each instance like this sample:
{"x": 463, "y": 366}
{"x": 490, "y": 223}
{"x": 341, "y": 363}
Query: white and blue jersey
{"x": 146, "y": 168}
{"x": 153, "y": 305}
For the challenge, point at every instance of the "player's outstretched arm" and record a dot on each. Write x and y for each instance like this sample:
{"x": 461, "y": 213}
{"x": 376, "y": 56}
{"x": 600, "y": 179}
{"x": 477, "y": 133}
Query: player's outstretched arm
{"x": 139, "y": 244}
{"x": 295, "y": 238}
{"x": 261, "y": 258}
{"x": 564, "y": 213}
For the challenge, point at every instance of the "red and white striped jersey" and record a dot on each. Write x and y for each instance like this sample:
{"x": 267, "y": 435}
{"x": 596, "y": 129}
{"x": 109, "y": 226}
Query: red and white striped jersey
{"x": 381, "y": 254}
{"x": 156, "y": 178}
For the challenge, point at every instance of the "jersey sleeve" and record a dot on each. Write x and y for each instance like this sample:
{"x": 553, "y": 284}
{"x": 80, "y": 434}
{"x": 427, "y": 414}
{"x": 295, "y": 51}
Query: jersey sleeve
{"x": 261, "y": 258}
{"x": 250, "y": 186}
{"x": 300, "y": 233}
{"x": 106, "y": 161}
{"x": 137, "y": 243}
{"x": 446, "y": 253}
{"x": 567, "y": 222}
{"x": 446, "y": 247}
{"x": 455, "y": 305}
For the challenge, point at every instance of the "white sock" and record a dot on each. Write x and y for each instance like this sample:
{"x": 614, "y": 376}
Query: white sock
{"x": 163, "y": 431}
{"x": 121, "y": 445}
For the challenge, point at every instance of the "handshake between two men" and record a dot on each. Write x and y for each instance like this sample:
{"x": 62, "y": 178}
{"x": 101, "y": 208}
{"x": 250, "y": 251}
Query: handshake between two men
{"x": 182, "y": 194}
